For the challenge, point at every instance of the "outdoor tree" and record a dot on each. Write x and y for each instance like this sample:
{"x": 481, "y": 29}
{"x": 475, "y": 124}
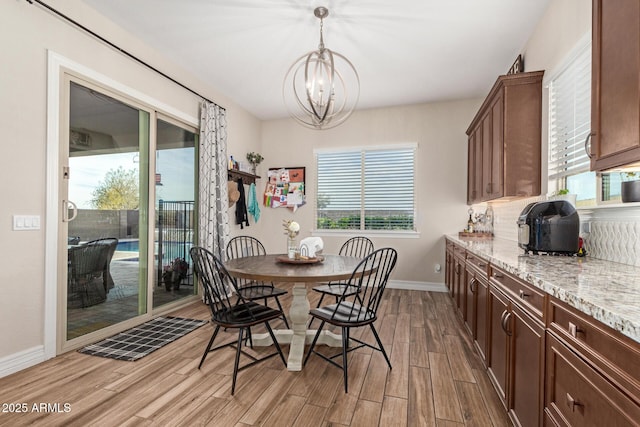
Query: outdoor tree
{"x": 119, "y": 190}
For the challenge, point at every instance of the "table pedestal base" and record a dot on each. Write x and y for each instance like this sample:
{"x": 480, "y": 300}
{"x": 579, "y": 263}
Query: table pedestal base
{"x": 298, "y": 335}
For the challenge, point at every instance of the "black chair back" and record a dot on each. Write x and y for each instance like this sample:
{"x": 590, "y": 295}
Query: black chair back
{"x": 358, "y": 247}
{"x": 244, "y": 246}
{"x": 370, "y": 277}
{"x": 216, "y": 281}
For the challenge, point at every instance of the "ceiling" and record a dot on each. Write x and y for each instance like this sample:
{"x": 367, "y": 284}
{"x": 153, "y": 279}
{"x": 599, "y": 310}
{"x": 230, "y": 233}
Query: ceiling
{"x": 405, "y": 51}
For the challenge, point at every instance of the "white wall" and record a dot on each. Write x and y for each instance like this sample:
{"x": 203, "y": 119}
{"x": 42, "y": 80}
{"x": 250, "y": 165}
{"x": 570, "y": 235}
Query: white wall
{"x": 563, "y": 25}
{"x": 441, "y": 177}
{"x": 27, "y": 32}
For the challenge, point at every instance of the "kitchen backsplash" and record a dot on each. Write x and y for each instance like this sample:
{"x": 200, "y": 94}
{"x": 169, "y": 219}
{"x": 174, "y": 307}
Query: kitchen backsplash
{"x": 611, "y": 233}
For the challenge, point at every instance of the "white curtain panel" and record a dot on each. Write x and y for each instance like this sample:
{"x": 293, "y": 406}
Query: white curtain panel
{"x": 213, "y": 203}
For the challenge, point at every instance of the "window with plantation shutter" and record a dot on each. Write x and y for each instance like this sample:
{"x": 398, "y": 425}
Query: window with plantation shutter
{"x": 570, "y": 117}
{"x": 366, "y": 189}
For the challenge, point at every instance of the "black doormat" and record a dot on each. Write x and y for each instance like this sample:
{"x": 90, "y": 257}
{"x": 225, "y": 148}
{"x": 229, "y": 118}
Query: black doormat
{"x": 137, "y": 342}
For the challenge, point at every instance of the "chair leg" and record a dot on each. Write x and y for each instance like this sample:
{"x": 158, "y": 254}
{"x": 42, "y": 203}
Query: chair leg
{"x": 345, "y": 344}
{"x": 237, "y": 363}
{"x": 206, "y": 351}
{"x": 313, "y": 343}
{"x": 284, "y": 316}
{"x": 384, "y": 353}
{"x": 275, "y": 342}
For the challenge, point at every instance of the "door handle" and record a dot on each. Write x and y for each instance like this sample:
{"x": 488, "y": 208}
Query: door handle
{"x": 506, "y": 315}
{"x": 66, "y": 204}
{"x": 587, "y": 146}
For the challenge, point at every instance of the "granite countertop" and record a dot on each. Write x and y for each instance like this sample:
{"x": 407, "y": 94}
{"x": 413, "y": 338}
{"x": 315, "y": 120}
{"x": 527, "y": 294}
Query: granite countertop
{"x": 605, "y": 290}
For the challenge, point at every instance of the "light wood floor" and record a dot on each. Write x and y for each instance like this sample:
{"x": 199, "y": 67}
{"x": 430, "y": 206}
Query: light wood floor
{"x": 436, "y": 379}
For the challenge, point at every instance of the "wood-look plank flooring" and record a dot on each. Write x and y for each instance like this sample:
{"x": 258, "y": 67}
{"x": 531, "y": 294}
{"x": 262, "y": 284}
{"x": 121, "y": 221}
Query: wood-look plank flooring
{"x": 436, "y": 380}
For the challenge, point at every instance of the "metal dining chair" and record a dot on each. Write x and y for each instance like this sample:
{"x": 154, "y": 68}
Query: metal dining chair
{"x": 358, "y": 247}
{"x": 252, "y": 290}
{"x": 370, "y": 279}
{"x": 225, "y": 313}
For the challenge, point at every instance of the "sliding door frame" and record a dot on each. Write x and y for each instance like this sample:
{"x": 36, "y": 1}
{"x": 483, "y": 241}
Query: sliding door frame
{"x": 58, "y": 67}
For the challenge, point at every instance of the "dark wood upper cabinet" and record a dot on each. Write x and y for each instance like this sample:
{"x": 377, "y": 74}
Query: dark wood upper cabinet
{"x": 505, "y": 139}
{"x": 615, "y": 103}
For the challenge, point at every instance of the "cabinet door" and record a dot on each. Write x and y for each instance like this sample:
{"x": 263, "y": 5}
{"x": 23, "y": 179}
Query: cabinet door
{"x": 448, "y": 269}
{"x": 487, "y": 155}
{"x": 498, "y": 357}
{"x": 470, "y": 302}
{"x": 497, "y": 147}
{"x": 474, "y": 166}
{"x": 615, "y": 114}
{"x": 577, "y": 395}
{"x": 482, "y": 304}
{"x": 527, "y": 361}
{"x": 458, "y": 275}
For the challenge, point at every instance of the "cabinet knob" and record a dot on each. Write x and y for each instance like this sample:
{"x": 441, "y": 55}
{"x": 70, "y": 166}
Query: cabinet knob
{"x": 574, "y": 329}
{"x": 523, "y": 295}
{"x": 573, "y": 403}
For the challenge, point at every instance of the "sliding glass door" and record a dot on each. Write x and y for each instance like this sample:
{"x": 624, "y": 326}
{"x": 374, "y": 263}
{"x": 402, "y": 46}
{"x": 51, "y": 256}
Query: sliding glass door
{"x": 124, "y": 241}
{"x": 175, "y": 215}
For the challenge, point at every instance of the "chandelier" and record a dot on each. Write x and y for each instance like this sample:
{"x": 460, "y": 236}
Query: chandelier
{"x": 315, "y": 87}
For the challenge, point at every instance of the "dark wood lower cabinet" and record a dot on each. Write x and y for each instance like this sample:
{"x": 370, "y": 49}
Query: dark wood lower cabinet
{"x": 577, "y": 395}
{"x": 516, "y": 359}
{"x": 549, "y": 363}
{"x": 527, "y": 364}
{"x": 498, "y": 356}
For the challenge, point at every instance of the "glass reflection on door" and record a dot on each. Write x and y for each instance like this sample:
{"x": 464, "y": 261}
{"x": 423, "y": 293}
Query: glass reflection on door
{"x": 175, "y": 214}
{"x": 106, "y": 237}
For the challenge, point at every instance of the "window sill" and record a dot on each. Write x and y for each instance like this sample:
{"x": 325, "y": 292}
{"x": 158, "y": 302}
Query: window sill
{"x": 391, "y": 234}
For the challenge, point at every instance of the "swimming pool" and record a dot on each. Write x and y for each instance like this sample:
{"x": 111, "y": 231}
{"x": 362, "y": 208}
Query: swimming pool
{"x": 128, "y": 246}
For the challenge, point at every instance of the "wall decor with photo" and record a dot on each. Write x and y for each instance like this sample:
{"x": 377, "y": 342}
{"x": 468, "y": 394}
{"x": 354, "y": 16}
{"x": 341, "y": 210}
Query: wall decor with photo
{"x": 285, "y": 188}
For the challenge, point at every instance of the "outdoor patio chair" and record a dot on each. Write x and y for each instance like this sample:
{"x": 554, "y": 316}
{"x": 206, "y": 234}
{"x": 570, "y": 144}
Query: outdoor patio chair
{"x": 85, "y": 280}
{"x": 112, "y": 244}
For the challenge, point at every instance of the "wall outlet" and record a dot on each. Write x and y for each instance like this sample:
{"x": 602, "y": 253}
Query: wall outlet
{"x": 437, "y": 268}
{"x": 585, "y": 227}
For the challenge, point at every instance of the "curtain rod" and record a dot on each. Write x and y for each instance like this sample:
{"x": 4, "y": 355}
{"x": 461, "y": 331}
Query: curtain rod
{"x": 116, "y": 47}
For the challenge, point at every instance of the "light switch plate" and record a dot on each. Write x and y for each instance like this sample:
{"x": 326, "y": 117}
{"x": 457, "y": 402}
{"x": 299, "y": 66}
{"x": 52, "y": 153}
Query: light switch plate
{"x": 26, "y": 222}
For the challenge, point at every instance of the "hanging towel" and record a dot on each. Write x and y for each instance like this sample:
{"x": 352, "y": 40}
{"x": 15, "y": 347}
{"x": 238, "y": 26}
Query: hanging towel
{"x": 241, "y": 207}
{"x": 253, "y": 207}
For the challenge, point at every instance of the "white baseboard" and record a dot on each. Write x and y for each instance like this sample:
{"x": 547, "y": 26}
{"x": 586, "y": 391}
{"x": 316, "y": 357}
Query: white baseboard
{"x": 417, "y": 286}
{"x": 21, "y": 360}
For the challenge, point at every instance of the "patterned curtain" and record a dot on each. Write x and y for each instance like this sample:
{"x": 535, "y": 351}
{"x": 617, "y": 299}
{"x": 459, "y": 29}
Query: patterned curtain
{"x": 213, "y": 203}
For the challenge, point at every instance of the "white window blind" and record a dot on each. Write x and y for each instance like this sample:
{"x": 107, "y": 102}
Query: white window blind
{"x": 570, "y": 117}
{"x": 370, "y": 189}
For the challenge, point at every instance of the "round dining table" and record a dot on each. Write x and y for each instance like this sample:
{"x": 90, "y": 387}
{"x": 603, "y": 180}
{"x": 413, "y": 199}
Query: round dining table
{"x": 278, "y": 268}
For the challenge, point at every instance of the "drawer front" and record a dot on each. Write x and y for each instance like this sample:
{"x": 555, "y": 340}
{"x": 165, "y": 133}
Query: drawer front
{"x": 525, "y": 295}
{"x": 479, "y": 264}
{"x": 459, "y": 252}
{"x": 576, "y": 395}
{"x": 614, "y": 354}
